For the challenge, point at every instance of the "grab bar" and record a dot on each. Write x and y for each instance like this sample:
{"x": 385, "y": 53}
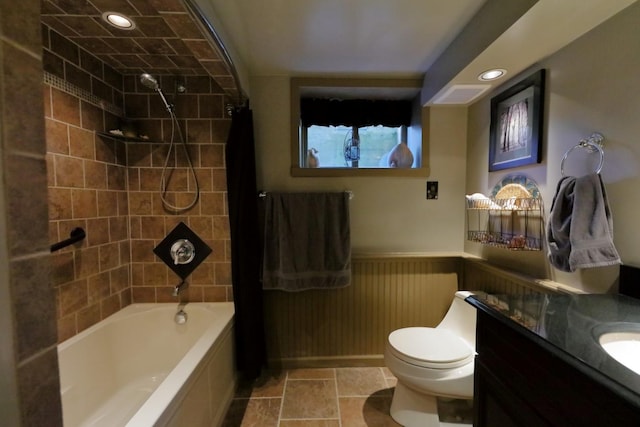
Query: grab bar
{"x": 592, "y": 144}
{"x": 76, "y": 235}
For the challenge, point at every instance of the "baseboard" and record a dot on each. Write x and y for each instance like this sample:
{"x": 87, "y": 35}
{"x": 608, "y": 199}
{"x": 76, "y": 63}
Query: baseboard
{"x": 375, "y": 360}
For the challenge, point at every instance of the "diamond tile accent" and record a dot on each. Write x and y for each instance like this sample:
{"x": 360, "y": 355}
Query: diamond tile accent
{"x": 163, "y": 250}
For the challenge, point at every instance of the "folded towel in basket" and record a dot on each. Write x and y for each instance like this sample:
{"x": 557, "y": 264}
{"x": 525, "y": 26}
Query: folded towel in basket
{"x": 580, "y": 227}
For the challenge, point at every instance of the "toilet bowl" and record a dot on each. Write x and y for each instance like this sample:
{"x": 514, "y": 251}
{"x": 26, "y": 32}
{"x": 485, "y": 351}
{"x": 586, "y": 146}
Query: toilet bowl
{"x": 430, "y": 362}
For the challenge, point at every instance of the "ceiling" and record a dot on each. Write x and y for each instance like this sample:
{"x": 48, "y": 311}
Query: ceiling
{"x": 447, "y": 43}
{"x": 380, "y": 37}
{"x": 167, "y": 39}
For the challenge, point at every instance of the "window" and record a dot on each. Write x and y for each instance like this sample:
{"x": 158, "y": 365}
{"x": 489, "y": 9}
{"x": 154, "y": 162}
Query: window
{"x": 352, "y": 146}
{"x": 356, "y": 127}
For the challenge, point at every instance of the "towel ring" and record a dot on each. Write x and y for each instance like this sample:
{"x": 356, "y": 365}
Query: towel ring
{"x": 592, "y": 144}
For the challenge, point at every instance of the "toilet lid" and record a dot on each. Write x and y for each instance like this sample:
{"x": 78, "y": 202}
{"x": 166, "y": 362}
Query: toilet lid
{"x": 430, "y": 347}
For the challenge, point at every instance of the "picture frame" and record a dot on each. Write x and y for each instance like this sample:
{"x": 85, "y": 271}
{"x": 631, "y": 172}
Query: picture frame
{"x": 515, "y": 133}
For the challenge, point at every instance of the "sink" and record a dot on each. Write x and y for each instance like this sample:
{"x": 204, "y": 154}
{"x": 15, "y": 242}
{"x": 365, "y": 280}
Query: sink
{"x": 623, "y": 347}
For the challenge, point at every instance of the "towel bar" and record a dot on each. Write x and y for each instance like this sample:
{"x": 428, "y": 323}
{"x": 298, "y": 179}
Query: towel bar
{"x": 264, "y": 193}
{"x": 592, "y": 144}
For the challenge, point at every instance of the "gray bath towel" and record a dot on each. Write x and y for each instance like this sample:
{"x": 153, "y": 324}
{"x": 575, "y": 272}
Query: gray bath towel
{"x": 580, "y": 227}
{"x": 307, "y": 241}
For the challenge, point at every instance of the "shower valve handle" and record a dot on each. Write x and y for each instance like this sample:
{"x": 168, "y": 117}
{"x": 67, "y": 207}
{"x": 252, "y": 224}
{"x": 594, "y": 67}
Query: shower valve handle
{"x": 182, "y": 251}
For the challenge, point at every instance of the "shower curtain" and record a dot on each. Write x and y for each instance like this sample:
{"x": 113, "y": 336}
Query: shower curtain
{"x": 245, "y": 244}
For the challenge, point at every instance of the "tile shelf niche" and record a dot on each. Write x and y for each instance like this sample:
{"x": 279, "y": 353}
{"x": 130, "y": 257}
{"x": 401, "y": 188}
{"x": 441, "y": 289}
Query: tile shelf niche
{"x": 511, "y": 218}
{"x": 122, "y": 137}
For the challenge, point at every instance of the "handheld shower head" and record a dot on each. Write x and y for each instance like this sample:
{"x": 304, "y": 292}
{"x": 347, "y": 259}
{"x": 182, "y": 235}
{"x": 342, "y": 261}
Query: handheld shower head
{"x": 149, "y": 81}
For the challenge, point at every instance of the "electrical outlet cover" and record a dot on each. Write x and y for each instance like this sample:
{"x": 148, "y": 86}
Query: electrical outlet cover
{"x": 163, "y": 250}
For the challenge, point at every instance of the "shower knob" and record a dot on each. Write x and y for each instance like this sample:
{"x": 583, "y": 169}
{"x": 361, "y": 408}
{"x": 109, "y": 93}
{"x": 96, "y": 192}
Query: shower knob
{"x": 182, "y": 251}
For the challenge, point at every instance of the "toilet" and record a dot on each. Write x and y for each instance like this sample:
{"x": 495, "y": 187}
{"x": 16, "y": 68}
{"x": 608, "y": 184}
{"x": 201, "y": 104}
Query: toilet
{"x": 430, "y": 362}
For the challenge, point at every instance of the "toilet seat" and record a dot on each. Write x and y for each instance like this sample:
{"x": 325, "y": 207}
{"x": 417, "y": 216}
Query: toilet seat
{"x": 430, "y": 348}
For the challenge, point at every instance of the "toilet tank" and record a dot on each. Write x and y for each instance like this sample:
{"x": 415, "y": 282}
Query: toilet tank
{"x": 461, "y": 318}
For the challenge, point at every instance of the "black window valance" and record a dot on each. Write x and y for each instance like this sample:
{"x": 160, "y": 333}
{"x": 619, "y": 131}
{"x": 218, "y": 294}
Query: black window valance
{"x": 354, "y": 112}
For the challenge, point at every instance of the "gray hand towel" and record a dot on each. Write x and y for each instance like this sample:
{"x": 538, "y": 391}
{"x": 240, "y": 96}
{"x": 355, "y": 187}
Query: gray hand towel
{"x": 307, "y": 241}
{"x": 580, "y": 228}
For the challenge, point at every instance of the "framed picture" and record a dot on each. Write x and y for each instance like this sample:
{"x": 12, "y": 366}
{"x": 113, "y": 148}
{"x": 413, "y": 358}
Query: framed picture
{"x": 516, "y": 124}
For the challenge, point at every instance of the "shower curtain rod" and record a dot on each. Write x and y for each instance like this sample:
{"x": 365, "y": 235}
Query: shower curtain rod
{"x": 217, "y": 41}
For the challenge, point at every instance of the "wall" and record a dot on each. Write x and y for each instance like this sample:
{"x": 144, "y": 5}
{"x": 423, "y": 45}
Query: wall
{"x": 387, "y": 214}
{"x": 205, "y": 125}
{"x": 110, "y": 187}
{"x": 590, "y": 87}
{"x": 29, "y": 385}
{"x": 349, "y": 326}
{"x": 87, "y": 185}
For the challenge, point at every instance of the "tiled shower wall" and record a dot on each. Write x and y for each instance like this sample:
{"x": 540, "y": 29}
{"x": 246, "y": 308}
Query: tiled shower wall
{"x": 87, "y": 185}
{"x": 29, "y": 384}
{"x": 111, "y": 187}
{"x": 203, "y": 123}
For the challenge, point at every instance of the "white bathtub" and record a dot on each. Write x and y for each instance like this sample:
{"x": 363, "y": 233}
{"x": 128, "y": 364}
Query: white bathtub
{"x": 139, "y": 368}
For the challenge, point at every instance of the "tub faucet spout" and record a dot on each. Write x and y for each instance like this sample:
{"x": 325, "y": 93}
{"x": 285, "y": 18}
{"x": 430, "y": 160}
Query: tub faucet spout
{"x": 180, "y": 287}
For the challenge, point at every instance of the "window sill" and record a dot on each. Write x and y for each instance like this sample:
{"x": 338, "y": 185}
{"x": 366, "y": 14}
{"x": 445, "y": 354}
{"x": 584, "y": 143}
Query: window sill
{"x": 339, "y": 172}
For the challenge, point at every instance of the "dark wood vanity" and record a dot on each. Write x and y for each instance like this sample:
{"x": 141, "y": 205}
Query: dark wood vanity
{"x": 539, "y": 362}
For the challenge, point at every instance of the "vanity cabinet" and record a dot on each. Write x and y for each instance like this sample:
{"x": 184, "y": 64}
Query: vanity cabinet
{"x": 521, "y": 379}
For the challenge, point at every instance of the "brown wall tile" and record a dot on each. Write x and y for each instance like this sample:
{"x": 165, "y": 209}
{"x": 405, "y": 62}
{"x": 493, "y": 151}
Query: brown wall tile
{"x": 143, "y": 294}
{"x": 46, "y": 95}
{"x": 40, "y": 390}
{"x": 69, "y": 171}
{"x": 211, "y": 106}
{"x": 97, "y": 231}
{"x": 110, "y": 305}
{"x": 85, "y": 203}
{"x": 62, "y": 269}
{"x": 118, "y": 229}
{"x": 98, "y": 288}
{"x": 65, "y": 107}
{"x": 81, "y": 143}
{"x": 33, "y": 300}
{"x": 155, "y": 274}
{"x": 88, "y": 316}
{"x": 72, "y": 297}
{"x": 26, "y": 192}
{"x": 67, "y": 327}
{"x": 92, "y": 116}
{"x": 57, "y": 137}
{"x": 86, "y": 262}
{"x": 23, "y": 76}
{"x": 96, "y": 176}
{"x": 60, "y": 203}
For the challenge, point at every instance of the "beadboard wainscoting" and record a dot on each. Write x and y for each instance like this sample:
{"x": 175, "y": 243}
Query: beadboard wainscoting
{"x": 349, "y": 326}
{"x": 479, "y": 275}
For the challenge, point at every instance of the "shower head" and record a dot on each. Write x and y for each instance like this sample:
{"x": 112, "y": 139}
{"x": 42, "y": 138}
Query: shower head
{"x": 149, "y": 81}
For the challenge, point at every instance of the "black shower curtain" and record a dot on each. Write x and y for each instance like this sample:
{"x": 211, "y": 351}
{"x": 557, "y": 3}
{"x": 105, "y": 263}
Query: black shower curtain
{"x": 245, "y": 245}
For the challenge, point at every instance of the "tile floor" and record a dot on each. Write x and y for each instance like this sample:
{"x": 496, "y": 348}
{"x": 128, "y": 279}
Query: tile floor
{"x": 327, "y": 397}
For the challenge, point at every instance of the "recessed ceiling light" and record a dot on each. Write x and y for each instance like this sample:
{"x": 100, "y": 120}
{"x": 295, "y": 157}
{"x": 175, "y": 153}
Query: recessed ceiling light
{"x": 119, "y": 20}
{"x": 493, "y": 74}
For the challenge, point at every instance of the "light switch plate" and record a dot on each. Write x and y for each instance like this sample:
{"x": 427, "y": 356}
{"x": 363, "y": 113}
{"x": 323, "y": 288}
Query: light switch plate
{"x": 432, "y": 190}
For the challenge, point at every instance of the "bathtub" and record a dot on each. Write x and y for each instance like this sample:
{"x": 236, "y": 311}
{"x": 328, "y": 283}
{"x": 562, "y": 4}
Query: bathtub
{"x": 139, "y": 368}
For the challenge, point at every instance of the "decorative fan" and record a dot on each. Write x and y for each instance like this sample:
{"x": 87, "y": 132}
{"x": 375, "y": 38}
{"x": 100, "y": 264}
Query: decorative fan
{"x": 351, "y": 148}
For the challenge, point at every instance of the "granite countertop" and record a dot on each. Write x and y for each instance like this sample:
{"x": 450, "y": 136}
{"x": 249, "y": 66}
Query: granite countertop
{"x": 569, "y": 327}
